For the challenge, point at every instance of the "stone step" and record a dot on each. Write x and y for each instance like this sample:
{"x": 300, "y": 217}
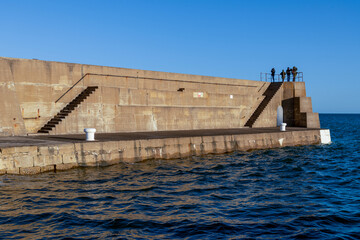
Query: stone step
{"x": 65, "y": 111}
{"x": 72, "y": 105}
{"x": 56, "y": 119}
{"x": 43, "y": 131}
{"x": 54, "y": 122}
{"x": 46, "y": 128}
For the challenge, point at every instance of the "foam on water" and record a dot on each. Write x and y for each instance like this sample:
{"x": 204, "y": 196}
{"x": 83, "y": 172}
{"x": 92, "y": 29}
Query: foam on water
{"x": 309, "y": 192}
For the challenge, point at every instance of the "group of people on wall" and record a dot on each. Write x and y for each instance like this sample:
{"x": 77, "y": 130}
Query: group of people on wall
{"x": 288, "y": 72}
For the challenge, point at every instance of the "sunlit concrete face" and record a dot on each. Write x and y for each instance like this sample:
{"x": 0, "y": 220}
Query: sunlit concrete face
{"x": 32, "y": 92}
{"x": 130, "y": 100}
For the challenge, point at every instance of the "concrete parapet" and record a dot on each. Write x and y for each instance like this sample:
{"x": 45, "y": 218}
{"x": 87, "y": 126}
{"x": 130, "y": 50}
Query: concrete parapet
{"x": 303, "y": 114}
{"x": 127, "y": 99}
{"x": 297, "y": 107}
{"x": 309, "y": 120}
{"x": 33, "y": 91}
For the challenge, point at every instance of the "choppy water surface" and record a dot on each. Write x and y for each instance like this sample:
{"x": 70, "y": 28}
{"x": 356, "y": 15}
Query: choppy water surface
{"x": 310, "y": 192}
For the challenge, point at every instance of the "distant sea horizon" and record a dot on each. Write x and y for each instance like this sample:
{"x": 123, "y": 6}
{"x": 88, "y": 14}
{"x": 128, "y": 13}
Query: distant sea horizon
{"x": 339, "y": 113}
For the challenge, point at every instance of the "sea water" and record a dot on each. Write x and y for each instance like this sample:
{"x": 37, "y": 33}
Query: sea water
{"x": 307, "y": 192}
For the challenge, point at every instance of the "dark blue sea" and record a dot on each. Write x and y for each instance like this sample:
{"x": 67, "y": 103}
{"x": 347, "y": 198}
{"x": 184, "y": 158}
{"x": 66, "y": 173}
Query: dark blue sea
{"x": 308, "y": 192}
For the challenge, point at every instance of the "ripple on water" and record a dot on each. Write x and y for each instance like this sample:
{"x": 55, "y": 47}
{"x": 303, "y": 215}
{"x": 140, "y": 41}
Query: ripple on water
{"x": 308, "y": 192}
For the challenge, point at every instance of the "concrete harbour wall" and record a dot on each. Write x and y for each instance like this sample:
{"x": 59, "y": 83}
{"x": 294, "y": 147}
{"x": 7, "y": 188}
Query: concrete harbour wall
{"x": 131, "y": 100}
{"x": 37, "y": 159}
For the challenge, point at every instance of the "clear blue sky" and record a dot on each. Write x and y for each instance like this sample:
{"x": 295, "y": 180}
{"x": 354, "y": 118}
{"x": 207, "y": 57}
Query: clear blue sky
{"x": 236, "y": 39}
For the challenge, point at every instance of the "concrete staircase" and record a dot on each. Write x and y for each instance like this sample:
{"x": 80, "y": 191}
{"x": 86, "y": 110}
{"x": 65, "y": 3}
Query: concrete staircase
{"x": 67, "y": 110}
{"x": 269, "y": 93}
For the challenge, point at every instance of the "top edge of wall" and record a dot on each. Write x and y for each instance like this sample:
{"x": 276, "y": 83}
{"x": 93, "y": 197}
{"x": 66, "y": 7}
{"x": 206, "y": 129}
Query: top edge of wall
{"x": 93, "y": 65}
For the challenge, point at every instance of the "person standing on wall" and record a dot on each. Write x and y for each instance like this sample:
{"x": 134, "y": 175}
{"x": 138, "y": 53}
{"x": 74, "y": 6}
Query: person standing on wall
{"x": 288, "y": 72}
{"x": 282, "y": 74}
{"x": 294, "y": 72}
{"x": 273, "y": 74}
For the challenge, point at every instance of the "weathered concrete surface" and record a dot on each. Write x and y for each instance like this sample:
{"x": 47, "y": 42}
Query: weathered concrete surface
{"x": 11, "y": 121}
{"x": 148, "y": 105}
{"x": 36, "y": 154}
{"x": 131, "y": 100}
{"x": 298, "y": 107}
{"x": 127, "y": 99}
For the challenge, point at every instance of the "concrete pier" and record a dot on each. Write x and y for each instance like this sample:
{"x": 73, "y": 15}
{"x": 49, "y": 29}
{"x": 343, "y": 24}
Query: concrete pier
{"x": 165, "y": 115}
{"x": 64, "y": 98}
{"x": 37, "y": 154}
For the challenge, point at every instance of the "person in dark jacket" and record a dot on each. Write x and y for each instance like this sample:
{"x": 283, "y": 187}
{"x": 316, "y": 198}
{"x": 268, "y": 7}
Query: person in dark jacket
{"x": 273, "y": 74}
{"x": 294, "y": 72}
{"x": 282, "y": 74}
{"x": 288, "y": 72}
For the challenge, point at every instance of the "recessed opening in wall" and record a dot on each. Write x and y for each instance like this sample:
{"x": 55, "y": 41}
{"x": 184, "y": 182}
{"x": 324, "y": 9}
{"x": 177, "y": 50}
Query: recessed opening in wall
{"x": 181, "y": 89}
{"x": 280, "y": 116}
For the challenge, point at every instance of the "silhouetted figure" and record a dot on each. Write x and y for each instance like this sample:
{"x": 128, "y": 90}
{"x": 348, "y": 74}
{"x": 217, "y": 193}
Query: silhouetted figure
{"x": 294, "y": 72}
{"x": 282, "y": 74}
{"x": 288, "y": 72}
{"x": 273, "y": 74}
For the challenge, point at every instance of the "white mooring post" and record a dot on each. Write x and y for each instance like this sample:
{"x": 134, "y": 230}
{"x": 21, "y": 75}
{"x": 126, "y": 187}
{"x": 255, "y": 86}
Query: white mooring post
{"x": 283, "y": 127}
{"x": 90, "y": 134}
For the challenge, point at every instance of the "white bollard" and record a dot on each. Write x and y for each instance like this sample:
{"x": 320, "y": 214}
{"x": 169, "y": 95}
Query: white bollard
{"x": 90, "y": 134}
{"x": 325, "y": 136}
{"x": 283, "y": 127}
